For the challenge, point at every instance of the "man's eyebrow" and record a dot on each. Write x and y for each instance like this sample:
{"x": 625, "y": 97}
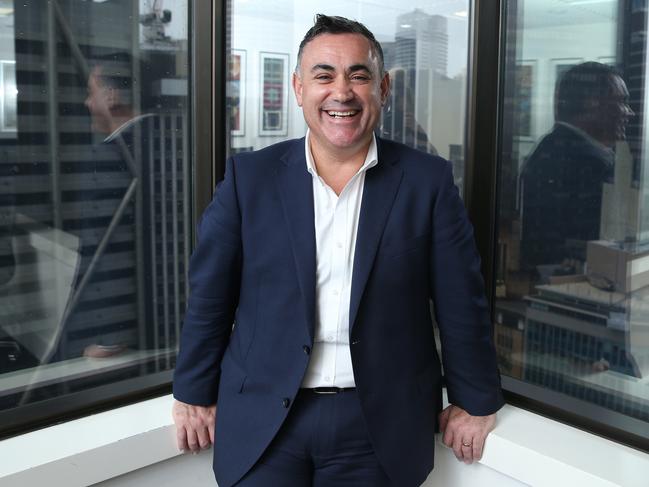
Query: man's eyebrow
{"x": 324, "y": 67}
{"x": 360, "y": 67}
{"x": 351, "y": 69}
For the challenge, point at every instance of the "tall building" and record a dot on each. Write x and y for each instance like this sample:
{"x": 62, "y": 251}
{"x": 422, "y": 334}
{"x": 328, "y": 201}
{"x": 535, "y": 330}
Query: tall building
{"x": 417, "y": 61}
{"x": 577, "y": 343}
{"x": 422, "y": 42}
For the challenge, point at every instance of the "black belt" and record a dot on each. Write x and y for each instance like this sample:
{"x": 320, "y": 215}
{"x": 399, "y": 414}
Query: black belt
{"x": 329, "y": 390}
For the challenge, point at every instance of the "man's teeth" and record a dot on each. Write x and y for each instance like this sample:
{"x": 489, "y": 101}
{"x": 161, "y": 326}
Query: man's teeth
{"x": 342, "y": 114}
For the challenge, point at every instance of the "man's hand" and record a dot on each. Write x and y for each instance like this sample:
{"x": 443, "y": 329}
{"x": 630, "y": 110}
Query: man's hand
{"x": 464, "y": 433}
{"x": 194, "y": 426}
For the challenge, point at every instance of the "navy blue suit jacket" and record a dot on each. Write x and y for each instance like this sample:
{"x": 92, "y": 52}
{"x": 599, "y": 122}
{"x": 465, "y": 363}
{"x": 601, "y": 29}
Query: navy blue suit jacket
{"x": 255, "y": 267}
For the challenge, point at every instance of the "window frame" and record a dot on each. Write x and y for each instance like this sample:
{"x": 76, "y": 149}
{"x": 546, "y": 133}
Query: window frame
{"x": 206, "y": 121}
{"x": 490, "y": 23}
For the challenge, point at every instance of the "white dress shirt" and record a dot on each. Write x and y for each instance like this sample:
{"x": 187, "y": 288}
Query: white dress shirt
{"x": 336, "y": 224}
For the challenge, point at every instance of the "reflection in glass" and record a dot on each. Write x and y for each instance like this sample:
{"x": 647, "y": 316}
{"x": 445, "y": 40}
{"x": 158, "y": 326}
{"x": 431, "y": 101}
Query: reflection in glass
{"x": 9, "y": 93}
{"x": 572, "y": 277}
{"x": 274, "y": 93}
{"x": 425, "y": 50}
{"x": 95, "y": 195}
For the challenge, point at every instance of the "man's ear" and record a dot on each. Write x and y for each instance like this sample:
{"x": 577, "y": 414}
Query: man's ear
{"x": 297, "y": 88}
{"x": 112, "y": 97}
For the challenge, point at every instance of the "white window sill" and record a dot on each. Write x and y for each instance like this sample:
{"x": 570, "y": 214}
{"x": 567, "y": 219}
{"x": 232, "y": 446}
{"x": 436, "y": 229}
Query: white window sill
{"x": 524, "y": 446}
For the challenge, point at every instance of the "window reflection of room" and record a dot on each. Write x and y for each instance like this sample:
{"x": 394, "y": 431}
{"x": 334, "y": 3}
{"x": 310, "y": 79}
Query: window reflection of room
{"x": 95, "y": 195}
{"x": 572, "y": 287}
{"x": 425, "y": 51}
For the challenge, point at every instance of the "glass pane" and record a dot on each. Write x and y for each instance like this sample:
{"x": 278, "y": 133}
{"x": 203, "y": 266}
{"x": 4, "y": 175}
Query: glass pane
{"x": 95, "y": 194}
{"x": 425, "y": 48}
{"x": 572, "y": 283}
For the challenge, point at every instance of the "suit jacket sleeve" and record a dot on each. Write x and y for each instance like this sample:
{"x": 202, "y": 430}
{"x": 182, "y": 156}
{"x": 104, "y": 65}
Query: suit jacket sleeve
{"x": 214, "y": 280}
{"x": 461, "y": 308}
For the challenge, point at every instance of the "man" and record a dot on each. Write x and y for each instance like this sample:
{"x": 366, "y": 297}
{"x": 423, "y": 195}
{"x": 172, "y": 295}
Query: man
{"x": 126, "y": 137}
{"x": 324, "y": 252}
{"x": 562, "y": 179}
{"x": 111, "y": 114}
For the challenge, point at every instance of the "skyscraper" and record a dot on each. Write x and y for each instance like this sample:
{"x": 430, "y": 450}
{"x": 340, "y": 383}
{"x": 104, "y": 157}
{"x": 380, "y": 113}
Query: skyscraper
{"x": 422, "y": 42}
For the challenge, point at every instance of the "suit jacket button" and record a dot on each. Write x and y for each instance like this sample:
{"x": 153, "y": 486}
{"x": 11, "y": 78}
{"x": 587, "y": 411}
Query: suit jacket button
{"x": 286, "y": 402}
{"x": 306, "y": 349}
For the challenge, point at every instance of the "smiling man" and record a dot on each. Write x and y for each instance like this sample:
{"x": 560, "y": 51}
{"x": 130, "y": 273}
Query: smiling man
{"x": 325, "y": 253}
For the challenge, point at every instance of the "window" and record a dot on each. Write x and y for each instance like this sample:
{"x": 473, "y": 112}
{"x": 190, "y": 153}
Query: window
{"x": 425, "y": 50}
{"x": 572, "y": 282}
{"x": 95, "y": 200}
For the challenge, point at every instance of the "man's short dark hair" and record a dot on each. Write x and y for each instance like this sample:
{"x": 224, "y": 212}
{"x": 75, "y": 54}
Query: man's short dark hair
{"x": 580, "y": 85}
{"x": 116, "y": 70}
{"x": 114, "y": 77}
{"x": 326, "y": 24}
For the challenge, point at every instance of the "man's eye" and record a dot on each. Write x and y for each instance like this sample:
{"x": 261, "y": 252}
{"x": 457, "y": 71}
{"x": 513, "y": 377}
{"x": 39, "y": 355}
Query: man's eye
{"x": 360, "y": 77}
{"x": 323, "y": 77}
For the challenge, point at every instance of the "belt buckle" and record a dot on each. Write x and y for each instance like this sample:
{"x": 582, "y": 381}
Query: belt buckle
{"x": 326, "y": 390}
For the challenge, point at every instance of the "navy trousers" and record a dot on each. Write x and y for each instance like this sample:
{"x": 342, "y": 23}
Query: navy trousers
{"x": 323, "y": 443}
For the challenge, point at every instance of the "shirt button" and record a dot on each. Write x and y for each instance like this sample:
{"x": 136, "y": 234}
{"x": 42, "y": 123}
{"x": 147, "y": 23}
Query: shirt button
{"x": 327, "y": 378}
{"x": 330, "y": 338}
{"x": 306, "y": 349}
{"x": 286, "y": 402}
{"x": 339, "y": 245}
{"x": 335, "y": 292}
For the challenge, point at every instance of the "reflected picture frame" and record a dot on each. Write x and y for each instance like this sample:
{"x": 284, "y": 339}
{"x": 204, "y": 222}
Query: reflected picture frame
{"x": 525, "y": 91}
{"x": 273, "y": 93}
{"x": 8, "y": 99}
{"x": 561, "y": 65}
{"x": 236, "y": 92}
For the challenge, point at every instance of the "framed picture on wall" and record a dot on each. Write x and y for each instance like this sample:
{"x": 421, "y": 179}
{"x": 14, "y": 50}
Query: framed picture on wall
{"x": 273, "y": 110}
{"x": 562, "y": 65}
{"x": 236, "y": 92}
{"x": 8, "y": 98}
{"x": 523, "y": 98}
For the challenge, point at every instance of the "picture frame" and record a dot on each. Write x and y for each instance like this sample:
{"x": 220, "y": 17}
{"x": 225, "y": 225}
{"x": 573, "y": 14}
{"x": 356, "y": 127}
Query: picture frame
{"x": 561, "y": 65}
{"x": 524, "y": 91}
{"x": 273, "y": 93}
{"x": 236, "y": 92}
{"x": 8, "y": 98}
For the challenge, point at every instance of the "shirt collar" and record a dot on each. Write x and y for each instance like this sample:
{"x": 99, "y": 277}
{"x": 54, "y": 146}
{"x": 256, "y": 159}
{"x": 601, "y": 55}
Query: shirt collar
{"x": 586, "y": 136}
{"x": 126, "y": 125}
{"x": 371, "y": 159}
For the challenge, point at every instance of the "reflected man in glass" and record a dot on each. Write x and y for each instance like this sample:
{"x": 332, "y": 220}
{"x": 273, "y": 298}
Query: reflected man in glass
{"x": 563, "y": 177}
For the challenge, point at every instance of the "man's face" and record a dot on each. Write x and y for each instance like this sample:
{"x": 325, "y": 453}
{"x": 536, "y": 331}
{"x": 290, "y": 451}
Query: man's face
{"x": 618, "y": 111}
{"x": 341, "y": 91}
{"x": 99, "y": 102}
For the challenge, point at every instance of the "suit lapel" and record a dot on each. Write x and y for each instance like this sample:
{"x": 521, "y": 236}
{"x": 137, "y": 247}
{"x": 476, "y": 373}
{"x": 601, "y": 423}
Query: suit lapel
{"x": 381, "y": 185}
{"x": 296, "y": 193}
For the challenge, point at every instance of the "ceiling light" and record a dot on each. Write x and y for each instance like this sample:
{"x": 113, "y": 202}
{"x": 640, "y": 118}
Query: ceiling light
{"x": 586, "y": 2}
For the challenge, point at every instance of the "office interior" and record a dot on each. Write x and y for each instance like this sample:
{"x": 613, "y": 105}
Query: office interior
{"x": 117, "y": 117}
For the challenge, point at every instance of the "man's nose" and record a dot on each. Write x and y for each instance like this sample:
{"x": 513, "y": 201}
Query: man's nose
{"x": 628, "y": 111}
{"x": 342, "y": 89}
